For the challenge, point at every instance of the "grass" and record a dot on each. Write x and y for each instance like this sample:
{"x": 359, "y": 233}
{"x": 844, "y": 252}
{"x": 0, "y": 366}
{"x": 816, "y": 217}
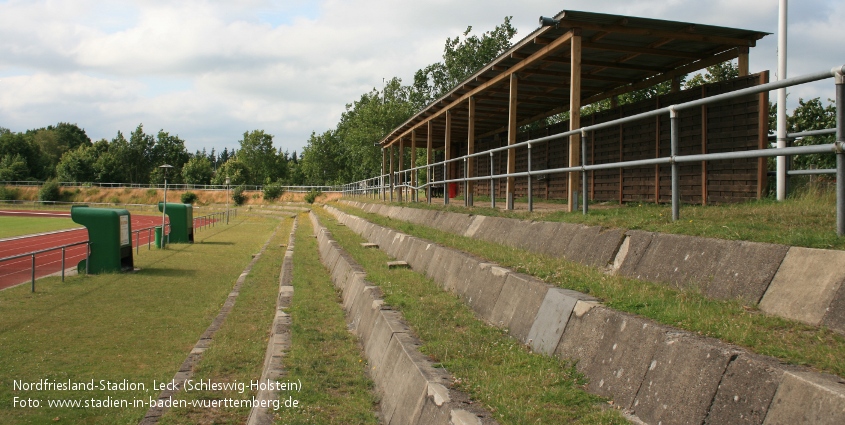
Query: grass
{"x": 730, "y": 321}
{"x": 324, "y": 355}
{"x": 807, "y": 218}
{"x": 136, "y": 327}
{"x": 517, "y": 386}
{"x": 236, "y": 354}
{"x": 19, "y": 226}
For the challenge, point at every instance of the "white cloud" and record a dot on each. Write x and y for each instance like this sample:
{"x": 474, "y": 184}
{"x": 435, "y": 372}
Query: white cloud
{"x": 210, "y": 70}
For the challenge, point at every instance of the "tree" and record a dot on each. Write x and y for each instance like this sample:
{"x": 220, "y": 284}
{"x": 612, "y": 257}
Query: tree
{"x": 18, "y": 144}
{"x": 197, "y": 171}
{"x": 77, "y": 165}
{"x": 461, "y": 58}
{"x": 720, "y": 72}
{"x": 168, "y": 150}
{"x": 322, "y": 159}
{"x": 261, "y": 158}
{"x": 137, "y": 156}
{"x": 235, "y": 169}
{"x": 812, "y": 115}
{"x": 13, "y": 168}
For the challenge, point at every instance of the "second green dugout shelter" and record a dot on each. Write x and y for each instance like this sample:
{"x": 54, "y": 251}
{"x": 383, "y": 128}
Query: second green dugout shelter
{"x": 181, "y": 222}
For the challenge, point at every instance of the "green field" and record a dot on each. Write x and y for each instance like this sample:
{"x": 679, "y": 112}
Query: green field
{"x": 128, "y": 329}
{"x": 19, "y": 226}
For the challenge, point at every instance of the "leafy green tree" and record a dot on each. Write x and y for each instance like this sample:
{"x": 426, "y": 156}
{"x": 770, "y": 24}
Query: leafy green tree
{"x": 13, "y": 168}
{"x": 234, "y": 169}
{"x": 261, "y": 158}
{"x": 77, "y": 165}
{"x": 197, "y": 170}
{"x": 322, "y": 159}
{"x": 168, "y": 150}
{"x": 137, "y": 156}
{"x": 19, "y": 144}
{"x": 110, "y": 166}
{"x": 807, "y": 116}
{"x": 461, "y": 58}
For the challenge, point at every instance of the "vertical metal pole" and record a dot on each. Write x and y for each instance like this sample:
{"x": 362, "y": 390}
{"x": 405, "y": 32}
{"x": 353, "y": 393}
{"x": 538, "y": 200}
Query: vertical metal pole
{"x": 87, "y": 256}
{"x": 492, "y": 184}
{"x": 676, "y": 195}
{"x": 840, "y": 154}
{"x": 137, "y": 245}
{"x": 466, "y": 183}
{"x": 584, "y": 197}
{"x": 33, "y": 272}
{"x": 63, "y": 264}
{"x": 428, "y": 183}
{"x": 530, "y": 197}
{"x": 149, "y": 238}
{"x": 781, "y": 106}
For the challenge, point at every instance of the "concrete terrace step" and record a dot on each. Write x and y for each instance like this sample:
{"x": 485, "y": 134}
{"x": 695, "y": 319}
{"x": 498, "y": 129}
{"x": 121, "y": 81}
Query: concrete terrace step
{"x": 796, "y": 283}
{"x": 412, "y": 390}
{"x": 660, "y": 374}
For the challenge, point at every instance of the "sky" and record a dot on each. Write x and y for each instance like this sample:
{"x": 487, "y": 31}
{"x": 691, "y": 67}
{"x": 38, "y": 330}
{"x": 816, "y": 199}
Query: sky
{"x": 210, "y": 70}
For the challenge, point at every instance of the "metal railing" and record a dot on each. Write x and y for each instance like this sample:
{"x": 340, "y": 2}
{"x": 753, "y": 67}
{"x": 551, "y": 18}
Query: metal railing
{"x": 378, "y": 186}
{"x": 199, "y": 223}
{"x": 171, "y": 186}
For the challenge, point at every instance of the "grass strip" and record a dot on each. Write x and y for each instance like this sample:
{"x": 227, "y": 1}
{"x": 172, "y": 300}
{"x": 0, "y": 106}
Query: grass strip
{"x": 324, "y": 355}
{"x": 19, "y": 226}
{"x": 518, "y": 386}
{"x": 236, "y": 354}
{"x": 730, "y": 321}
{"x": 807, "y": 218}
{"x": 131, "y": 329}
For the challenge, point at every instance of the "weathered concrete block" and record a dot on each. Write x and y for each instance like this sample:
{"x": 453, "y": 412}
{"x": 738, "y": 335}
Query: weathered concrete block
{"x": 539, "y": 237}
{"x": 425, "y": 256}
{"x": 808, "y": 398}
{"x": 594, "y": 246}
{"x": 682, "y": 380}
{"x": 834, "y": 318}
{"x": 494, "y": 229}
{"x": 518, "y": 303}
{"x": 475, "y": 224}
{"x": 435, "y": 264}
{"x": 409, "y": 388}
{"x": 484, "y": 288}
{"x": 613, "y": 350}
{"x": 805, "y": 285}
{"x": 563, "y": 234}
{"x": 552, "y": 317}
{"x": 469, "y": 266}
{"x": 746, "y": 391}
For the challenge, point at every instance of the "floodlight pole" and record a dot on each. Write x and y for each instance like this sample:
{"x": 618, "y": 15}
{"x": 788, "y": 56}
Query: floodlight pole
{"x": 781, "y": 107}
{"x": 164, "y": 168}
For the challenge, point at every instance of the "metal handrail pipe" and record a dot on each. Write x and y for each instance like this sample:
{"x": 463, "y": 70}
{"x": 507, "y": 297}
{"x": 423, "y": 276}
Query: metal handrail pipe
{"x": 15, "y": 257}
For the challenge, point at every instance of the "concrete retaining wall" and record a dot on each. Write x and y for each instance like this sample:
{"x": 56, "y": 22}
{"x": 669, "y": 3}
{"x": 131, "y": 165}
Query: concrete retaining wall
{"x": 660, "y": 374}
{"x": 796, "y": 283}
{"x": 412, "y": 390}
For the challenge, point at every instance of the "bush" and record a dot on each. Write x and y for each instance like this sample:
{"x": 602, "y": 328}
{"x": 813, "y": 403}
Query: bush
{"x": 189, "y": 198}
{"x": 273, "y": 191}
{"x": 238, "y": 196}
{"x": 311, "y": 196}
{"x": 51, "y": 191}
{"x": 152, "y": 192}
{"x": 8, "y": 193}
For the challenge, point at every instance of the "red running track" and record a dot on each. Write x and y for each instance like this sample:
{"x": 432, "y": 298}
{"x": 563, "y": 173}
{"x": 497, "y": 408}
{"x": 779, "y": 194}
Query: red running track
{"x": 17, "y": 271}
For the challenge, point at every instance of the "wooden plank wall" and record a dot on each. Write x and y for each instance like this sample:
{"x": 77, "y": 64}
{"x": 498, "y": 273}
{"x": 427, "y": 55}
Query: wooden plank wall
{"x": 726, "y": 126}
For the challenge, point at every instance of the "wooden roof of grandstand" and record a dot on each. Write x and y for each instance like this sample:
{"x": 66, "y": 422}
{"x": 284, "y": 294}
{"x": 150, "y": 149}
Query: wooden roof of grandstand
{"x": 618, "y": 54}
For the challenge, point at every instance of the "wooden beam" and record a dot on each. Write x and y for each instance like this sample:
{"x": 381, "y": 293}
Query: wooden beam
{"x": 687, "y": 36}
{"x": 470, "y": 186}
{"x": 413, "y": 164}
{"x": 512, "y": 130}
{"x": 500, "y": 78}
{"x": 640, "y": 50}
{"x": 574, "y": 180}
{"x": 428, "y": 173}
{"x": 742, "y": 62}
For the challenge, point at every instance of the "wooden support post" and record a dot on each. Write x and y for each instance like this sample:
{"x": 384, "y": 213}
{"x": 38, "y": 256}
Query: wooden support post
{"x": 742, "y": 61}
{"x": 470, "y": 186}
{"x": 401, "y": 168}
{"x": 512, "y": 119}
{"x": 413, "y": 165}
{"x": 447, "y": 153}
{"x": 391, "y": 176}
{"x": 428, "y": 170}
{"x": 574, "y": 180}
{"x": 383, "y": 169}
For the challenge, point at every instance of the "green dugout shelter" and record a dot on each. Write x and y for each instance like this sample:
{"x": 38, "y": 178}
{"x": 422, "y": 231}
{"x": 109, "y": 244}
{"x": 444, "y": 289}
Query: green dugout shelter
{"x": 181, "y": 222}
{"x": 109, "y": 234}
